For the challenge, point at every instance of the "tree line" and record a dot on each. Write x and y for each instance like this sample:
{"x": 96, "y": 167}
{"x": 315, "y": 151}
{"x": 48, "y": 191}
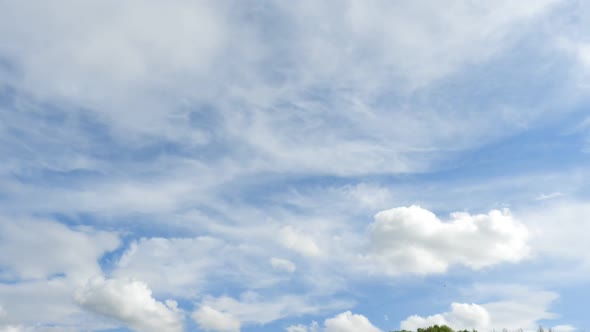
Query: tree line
{"x": 445, "y": 328}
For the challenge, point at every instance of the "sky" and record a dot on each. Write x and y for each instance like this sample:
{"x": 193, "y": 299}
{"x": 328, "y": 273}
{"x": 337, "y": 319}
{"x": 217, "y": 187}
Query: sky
{"x": 296, "y": 166}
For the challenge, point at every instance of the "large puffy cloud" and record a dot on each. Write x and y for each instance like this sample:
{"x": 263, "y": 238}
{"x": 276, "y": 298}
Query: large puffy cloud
{"x": 131, "y": 302}
{"x": 66, "y": 251}
{"x": 210, "y": 319}
{"x": 412, "y": 239}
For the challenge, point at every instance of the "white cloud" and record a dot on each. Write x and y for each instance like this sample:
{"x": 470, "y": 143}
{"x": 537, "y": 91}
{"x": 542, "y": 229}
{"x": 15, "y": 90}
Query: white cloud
{"x": 521, "y": 308}
{"x": 297, "y": 241}
{"x": 37, "y": 328}
{"x": 111, "y": 54}
{"x": 126, "y": 197}
{"x": 405, "y": 45}
{"x": 344, "y": 322}
{"x": 210, "y": 319}
{"x": 47, "y": 302}
{"x": 163, "y": 195}
{"x": 73, "y": 252}
{"x": 583, "y": 54}
{"x": 143, "y": 70}
{"x": 563, "y": 328}
{"x": 303, "y": 328}
{"x": 14, "y": 328}
{"x": 555, "y": 226}
{"x": 174, "y": 266}
{"x": 552, "y": 195}
{"x": 21, "y": 328}
{"x": 146, "y": 74}
{"x": 251, "y": 308}
{"x": 131, "y": 302}
{"x": 461, "y": 316}
{"x": 517, "y": 313}
{"x": 368, "y": 195}
{"x": 352, "y": 198}
{"x": 580, "y": 50}
{"x": 185, "y": 267}
{"x": 412, "y": 239}
{"x": 283, "y": 264}
{"x": 348, "y": 322}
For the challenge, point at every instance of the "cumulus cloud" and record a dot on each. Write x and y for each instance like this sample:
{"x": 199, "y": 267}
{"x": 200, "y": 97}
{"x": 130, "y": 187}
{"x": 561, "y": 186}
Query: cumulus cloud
{"x": 131, "y": 302}
{"x": 283, "y": 264}
{"x": 461, "y": 316}
{"x": 47, "y": 301}
{"x": 210, "y": 319}
{"x": 344, "y": 322}
{"x": 522, "y": 309}
{"x": 71, "y": 252}
{"x": 297, "y": 241}
{"x": 349, "y": 322}
{"x": 412, "y": 239}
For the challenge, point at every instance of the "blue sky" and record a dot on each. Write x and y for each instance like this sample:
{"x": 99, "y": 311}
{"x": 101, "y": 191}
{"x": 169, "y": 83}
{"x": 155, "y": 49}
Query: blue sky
{"x": 299, "y": 166}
